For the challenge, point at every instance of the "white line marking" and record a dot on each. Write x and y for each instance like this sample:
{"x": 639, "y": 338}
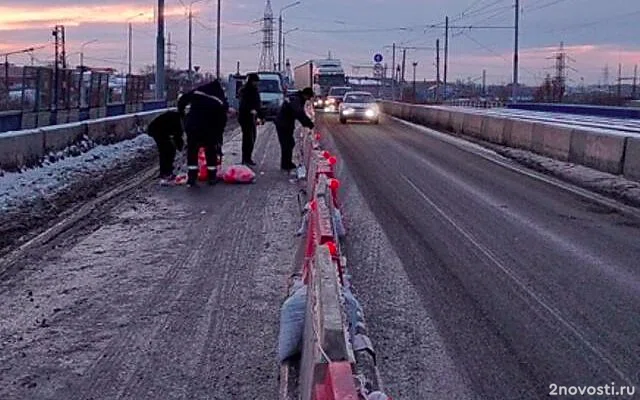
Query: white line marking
{"x": 520, "y": 283}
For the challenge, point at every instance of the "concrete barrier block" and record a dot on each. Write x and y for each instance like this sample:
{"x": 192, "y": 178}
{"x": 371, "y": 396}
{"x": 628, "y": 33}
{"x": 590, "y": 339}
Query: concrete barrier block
{"x": 444, "y": 119}
{"x": 120, "y": 128}
{"x": 21, "y": 148}
{"x": 520, "y": 134}
{"x": 58, "y": 137}
{"x": 599, "y": 150}
{"x": 493, "y": 129}
{"x": 472, "y": 124}
{"x": 457, "y": 121}
{"x": 96, "y": 130}
{"x": 29, "y": 120}
{"x": 551, "y": 140}
{"x": 325, "y": 324}
{"x": 44, "y": 119}
{"x": 432, "y": 116}
{"x": 631, "y": 168}
{"x": 422, "y": 115}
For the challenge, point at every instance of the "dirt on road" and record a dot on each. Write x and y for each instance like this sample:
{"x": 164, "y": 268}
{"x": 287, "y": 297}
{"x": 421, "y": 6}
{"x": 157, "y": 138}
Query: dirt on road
{"x": 172, "y": 293}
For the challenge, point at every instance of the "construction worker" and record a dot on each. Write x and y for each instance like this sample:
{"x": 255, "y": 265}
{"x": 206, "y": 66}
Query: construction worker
{"x": 249, "y": 116}
{"x": 204, "y": 124}
{"x": 293, "y": 108}
{"x": 166, "y": 130}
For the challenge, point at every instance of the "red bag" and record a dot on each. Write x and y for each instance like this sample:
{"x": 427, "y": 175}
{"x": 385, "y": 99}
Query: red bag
{"x": 238, "y": 174}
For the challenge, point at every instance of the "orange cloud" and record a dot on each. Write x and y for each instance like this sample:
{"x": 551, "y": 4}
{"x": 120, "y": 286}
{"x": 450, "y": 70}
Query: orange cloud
{"x": 16, "y": 18}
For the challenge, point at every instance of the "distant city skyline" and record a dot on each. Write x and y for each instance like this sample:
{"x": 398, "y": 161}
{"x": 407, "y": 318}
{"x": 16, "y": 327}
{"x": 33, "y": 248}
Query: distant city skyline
{"x": 594, "y": 33}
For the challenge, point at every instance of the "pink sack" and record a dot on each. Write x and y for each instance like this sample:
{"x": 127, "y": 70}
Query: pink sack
{"x": 238, "y": 174}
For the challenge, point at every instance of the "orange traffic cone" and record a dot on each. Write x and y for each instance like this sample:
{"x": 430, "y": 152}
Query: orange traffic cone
{"x": 203, "y": 174}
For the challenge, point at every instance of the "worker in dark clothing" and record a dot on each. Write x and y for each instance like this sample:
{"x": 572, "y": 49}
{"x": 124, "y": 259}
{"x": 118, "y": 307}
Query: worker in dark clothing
{"x": 204, "y": 123}
{"x": 291, "y": 110}
{"x": 249, "y": 116}
{"x": 166, "y": 130}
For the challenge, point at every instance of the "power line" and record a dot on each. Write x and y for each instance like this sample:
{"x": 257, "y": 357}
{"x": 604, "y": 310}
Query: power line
{"x": 545, "y": 5}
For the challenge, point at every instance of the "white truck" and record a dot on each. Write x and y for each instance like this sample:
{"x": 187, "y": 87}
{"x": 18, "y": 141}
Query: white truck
{"x": 321, "y": 75}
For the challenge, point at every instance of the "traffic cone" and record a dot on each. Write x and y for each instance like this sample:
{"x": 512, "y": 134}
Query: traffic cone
{"x": 203, "y": 174}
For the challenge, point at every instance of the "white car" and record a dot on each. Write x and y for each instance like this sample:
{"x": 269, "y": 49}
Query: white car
{"x": 360, "y": 106}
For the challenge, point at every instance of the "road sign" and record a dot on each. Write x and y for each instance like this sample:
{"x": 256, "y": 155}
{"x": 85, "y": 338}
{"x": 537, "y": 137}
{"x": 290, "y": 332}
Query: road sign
{"x": 378, "y": 58}
{"x": 378, "y": 69}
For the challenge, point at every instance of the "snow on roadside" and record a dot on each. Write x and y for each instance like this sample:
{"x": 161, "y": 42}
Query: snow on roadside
{"x": 60, "y": 170}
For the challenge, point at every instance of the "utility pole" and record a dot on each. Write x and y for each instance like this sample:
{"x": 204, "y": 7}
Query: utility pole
{"x": 130, "y": 47}
{"x": 60, "y": 61}
{"x": 393, "y": 73}
{"x": 402, "y": 81}
{"x": 437, "y": 94}
{"x": 218, "y": 42}
{"x": 415, "y": 64}
{"x": 171, "y": 53}
{"x": 635, "y": 80}
{"x": 446, "y": 54}
{"x": 190, "y": 44}
{"x": 484, "y": 82}
{"x": 620, "y": 83}
{"x": 514, "y": 89}
{"x": 238, "y": 68}
{"x": 160, "y": 53}
{"x": 280, "y": 42}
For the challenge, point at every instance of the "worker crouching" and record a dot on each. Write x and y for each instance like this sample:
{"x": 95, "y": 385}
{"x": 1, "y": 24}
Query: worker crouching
{"x": 205, "y": 124}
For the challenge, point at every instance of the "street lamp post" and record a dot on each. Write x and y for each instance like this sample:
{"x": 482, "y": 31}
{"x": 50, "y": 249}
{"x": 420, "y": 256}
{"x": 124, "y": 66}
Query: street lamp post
{"x": 280, "y": 36}
{"x": 6, "y": 62}
{"x": 191, "y": 39}
{"x": 130, "y": 34}
{"x": 82, "y": 53}
{"x": 284, "y": 47}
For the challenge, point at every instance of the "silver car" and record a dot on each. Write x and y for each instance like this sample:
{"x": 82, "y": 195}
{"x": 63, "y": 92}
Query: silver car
{"x": 359, "y": 106}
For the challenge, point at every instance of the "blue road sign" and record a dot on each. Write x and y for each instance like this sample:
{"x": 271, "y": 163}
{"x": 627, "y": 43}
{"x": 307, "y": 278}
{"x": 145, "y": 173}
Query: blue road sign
{"x": 377, "y": 58}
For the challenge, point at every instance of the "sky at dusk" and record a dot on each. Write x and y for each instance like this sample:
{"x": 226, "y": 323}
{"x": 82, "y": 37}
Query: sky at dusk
{"x": 595, "y": 33}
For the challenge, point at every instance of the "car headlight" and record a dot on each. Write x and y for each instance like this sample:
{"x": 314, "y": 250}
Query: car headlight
{"x": 371, "y": 113}
{"x": 348, "y": 111}
{"x": 331, "y": 101}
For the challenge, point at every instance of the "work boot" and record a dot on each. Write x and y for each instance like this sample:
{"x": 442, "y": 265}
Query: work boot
{"x": 192, "y": 178}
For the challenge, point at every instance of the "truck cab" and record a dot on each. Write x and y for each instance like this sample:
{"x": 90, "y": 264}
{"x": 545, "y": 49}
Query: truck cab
{"x": 271, "y": 93}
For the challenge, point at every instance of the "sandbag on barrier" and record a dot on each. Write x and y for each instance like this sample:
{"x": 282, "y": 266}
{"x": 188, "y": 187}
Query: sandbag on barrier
{"x": 337, "y": 222}
{"x": 292, "y": 315}
{"x": 353, "y": 310}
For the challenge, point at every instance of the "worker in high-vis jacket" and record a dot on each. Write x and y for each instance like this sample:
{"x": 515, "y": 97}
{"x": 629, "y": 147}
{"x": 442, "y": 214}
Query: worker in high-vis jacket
{"x": 204, "y": 123}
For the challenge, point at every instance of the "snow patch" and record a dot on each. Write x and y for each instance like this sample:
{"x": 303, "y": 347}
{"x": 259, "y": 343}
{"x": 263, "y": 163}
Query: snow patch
{"x": 60, "y": 169}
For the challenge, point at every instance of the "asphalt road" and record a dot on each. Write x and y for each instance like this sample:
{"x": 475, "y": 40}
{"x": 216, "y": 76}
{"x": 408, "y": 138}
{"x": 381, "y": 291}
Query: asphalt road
{"x": 522, "y": 284}
{"x": 172, "y": 294}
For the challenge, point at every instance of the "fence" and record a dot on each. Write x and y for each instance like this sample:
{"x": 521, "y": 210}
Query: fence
{"x": 39, "y": 96}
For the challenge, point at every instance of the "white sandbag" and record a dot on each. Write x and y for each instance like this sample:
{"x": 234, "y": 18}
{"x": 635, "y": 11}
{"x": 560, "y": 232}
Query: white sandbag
{"x": 292, "y": 316}
{"x": 353, "y": 309}
{"x": 337, "y": 222}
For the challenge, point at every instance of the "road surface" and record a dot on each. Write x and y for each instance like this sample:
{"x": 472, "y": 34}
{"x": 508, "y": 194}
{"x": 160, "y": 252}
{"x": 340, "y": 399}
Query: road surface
{"x": 480, "y": 281}
{"x": 174, "y": 293}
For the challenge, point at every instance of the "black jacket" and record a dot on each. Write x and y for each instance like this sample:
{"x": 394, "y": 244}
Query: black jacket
{"x": 292, "y": 109}
{"x": 208, "y": 110}
{"x": 167, "y": 126}
{"x": 249, "y": 100}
